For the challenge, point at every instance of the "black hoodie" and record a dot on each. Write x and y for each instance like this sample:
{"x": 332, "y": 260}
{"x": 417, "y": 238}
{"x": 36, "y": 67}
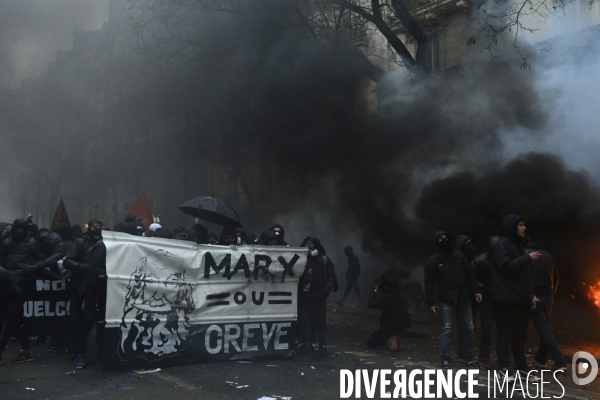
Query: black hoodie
{"x": 281, "y": 234}
{"x": 451, "y": 273}
{"x": 319, "y": 275}
{"x": 511, "y": 281}
{"x": 460, "y": 241}
{"x": 17, "y": 252}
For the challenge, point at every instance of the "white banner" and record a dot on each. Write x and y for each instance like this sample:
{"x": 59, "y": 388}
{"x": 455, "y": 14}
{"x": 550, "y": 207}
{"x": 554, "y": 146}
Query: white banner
{"x": 161, "y": 291}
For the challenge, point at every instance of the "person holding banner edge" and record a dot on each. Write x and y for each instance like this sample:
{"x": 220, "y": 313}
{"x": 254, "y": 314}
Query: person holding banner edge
{"x": 87, "y": 261}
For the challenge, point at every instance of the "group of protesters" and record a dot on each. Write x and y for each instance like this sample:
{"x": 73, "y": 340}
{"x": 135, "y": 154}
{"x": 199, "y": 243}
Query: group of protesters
{"x": 510, "y": 284}
{"x": 513, "y": 281}
{"x": 66, "y": 253}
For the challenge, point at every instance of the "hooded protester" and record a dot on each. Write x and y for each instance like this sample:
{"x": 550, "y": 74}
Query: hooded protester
{"x": 212, "y": 238}
{"x": 280, "y": 232}
{"x": 511, "y": 293}
{"x": 544, "y": 282}
{"x": 240, "y": 236}
{"x": 315, "y": 285}
{"x": 449, "y": 271}
{"x": 77, "y": 232}
{"x": 179, "y": 233}
{"x": 352, "y": 275}
{"x": 270, "y": 238}
{"x": 395, "y": 317}
{"x": 65, "y": 231}
{"x": 482, "y": 266}
{"x": 86, "y": 259}
{"x": 251, "y": 238}
{"x": 20, "y": 258}
{"x": 126, "y": 227}
{"x": 465, "y": 245}
{"x": 198, "y": 234}
{"x": 55, "y": 246}
{"x": 228, "y": 236}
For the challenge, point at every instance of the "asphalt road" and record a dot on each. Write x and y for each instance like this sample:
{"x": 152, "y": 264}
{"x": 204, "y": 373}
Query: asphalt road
{"x": 298, "y": 376}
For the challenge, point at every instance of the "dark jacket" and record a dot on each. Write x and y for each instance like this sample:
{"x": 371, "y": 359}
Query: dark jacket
{"x": 55, "y": 248}
{"x": 511, "y": 282}
{"x": 395, "y": 317}
{"x": 544, "y": 276}
{"x": 86, "y": 259}
{"x": 353, "y": 268}
{"x": 452, "y": 275}
{"x": 482, "y": 267}
{"x": 318, "y": 279}
{"x": 460, "y": 242}
{"x": 15, "y": 256}
{"x": 280, "y": 235}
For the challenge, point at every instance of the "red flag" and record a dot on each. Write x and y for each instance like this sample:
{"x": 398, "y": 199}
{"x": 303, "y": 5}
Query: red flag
{"x": 60, "y": 215}
{"x": 141, "y": 209}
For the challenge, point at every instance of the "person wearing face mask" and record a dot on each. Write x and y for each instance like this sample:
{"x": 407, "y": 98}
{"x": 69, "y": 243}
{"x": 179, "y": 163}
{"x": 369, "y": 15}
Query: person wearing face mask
{"x": 20, "y": 258}
{"x": 511, "y": 293}
{"x": 86, "y": 259}
{"x": 448, "y": 270}
{"x": 228, "y": 236}
{"x": 280, "y": 233}
{"x": 212, "y": 238}
{"x": 315, "y": 285}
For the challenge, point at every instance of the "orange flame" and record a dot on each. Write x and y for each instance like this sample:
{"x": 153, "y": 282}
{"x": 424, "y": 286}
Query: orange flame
{"x": 594, "y": 294}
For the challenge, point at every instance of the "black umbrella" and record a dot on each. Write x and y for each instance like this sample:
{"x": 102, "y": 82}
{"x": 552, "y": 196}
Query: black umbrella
{"x": 213, "y": 210}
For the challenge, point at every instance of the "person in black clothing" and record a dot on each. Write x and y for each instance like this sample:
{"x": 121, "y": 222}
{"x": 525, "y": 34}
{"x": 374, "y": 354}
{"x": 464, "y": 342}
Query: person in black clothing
{"x": 278, "y": 229}
{"x": 352, "y": 275}
{"x": 77, "y": 232}
{"x": 315, "y": 285}
{"x": 55, "y": 246}
{"x": 482, "y": 266}
{"x": 544, "y": 281}
{"x": 20, "y": 258}
{"x": 449, "y": 270}
{"x": 86, "y": 259}
{"x": 395, "y": 317}
{"x": 212, "y": 238}
{"x": 511, "y": 293}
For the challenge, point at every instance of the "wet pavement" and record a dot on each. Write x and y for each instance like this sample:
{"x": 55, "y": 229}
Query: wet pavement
{"x": 298, "y": 376}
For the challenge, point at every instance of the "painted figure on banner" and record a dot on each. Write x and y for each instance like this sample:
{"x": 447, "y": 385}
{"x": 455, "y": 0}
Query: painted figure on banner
{"x": 155, "y": 319}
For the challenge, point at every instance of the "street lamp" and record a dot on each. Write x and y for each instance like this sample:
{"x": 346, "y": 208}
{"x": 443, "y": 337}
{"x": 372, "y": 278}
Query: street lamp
{"x": 494, "y": 150}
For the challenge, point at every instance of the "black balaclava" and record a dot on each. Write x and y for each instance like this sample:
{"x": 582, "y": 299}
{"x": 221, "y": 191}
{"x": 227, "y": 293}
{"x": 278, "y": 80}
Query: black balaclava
{"x": 76, "y": 229}
{"x": 19, "y": 231}
{"x": 228, "y": 236}
{"x": 94, "y": 230}
{"x": 213, "y": 238}
{"x": 445, "y": 246}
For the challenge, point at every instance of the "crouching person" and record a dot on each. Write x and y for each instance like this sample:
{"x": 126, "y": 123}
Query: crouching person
{"x": 395, "y": 317}
{"x": 449, "y": 271}
{"x": 87, "y": 261}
